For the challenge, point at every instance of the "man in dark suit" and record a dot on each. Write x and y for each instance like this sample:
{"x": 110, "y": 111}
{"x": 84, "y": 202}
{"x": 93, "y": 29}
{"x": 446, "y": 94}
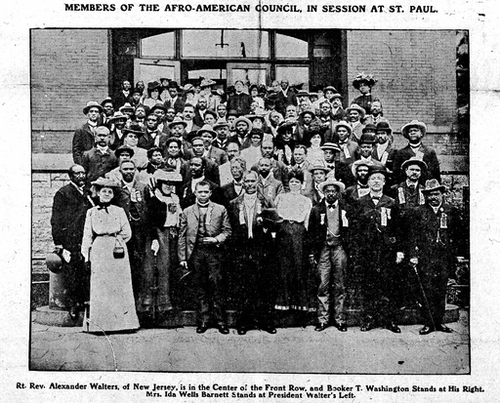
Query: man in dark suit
{"x": 69, "y": 210}
{"x": 211, "y": 170}
{"x": 84, "y": 137}
{"x": 414, "y": 132}
{"x": 252, "y": 248}
{"x": 175, "y": 100}
{"x": 359, "y": 170}
{"x": 152, "y": 137}
{"x": 432, "y": 247}
{"x": 240, "y": 101}
{"x": 204, "y": 227}
{"x": 328, "y": 237}
{"x": 286, "y": 96}
{"x": 124, "y": 95}
{"x": 197, "y": 173}
{"x": 377, "y": 250}
{"x": 232, "y": 190}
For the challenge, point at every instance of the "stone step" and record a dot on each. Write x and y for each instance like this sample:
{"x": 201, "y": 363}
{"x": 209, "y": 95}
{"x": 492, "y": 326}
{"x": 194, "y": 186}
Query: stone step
{"x": 411, "y": 316}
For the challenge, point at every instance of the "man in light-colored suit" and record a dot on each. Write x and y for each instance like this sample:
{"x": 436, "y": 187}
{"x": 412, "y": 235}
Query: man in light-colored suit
{"x": 204, "y": 227}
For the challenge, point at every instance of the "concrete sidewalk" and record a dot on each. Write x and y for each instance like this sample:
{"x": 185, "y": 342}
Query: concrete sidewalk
{"x": 291, "y": 350}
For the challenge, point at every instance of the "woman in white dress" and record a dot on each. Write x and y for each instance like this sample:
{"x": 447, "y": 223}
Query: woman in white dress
{"x": 112, "y": 303}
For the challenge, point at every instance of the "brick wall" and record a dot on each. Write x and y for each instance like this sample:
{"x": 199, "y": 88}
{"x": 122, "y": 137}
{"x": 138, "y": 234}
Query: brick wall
{"x": 68, "y": 69}
{"x": 415, "y": 71}
{"x": 44, "y": 187}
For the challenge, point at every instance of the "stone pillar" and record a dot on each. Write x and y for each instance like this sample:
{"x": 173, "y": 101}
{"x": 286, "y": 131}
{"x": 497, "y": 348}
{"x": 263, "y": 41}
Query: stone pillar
{"x": 58, "y": 293}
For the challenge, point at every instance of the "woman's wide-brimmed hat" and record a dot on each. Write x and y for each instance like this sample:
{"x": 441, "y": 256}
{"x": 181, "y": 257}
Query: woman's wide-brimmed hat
{"x": 364, "y": 78}
{"x": 106, "y": 183}
{"x": 161, "y": 175}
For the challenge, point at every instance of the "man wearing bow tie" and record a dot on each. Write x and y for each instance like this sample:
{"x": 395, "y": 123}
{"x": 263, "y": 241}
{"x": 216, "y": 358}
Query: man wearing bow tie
{"x": 253, "y": 257}
{"x": 328, "y": 229}
{"x": 377, "y": 251}
{"x": 204, "y": 227}
{"x": 359, "y": 170}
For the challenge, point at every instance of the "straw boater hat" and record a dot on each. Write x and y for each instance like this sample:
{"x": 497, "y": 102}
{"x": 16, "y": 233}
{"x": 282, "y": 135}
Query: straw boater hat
{"x": 329, "y": 182}
{"x": 122, "y": 149}
{"x": 356, "y": 107}
{"x": 243, "y": 119}
{"x": 414, "y": 161}
{"x": 413, "y": 123}
{"x": 319, "y": 167}
{"x": 330, "y": 146}
{"x": 92, "y": 104}
{"x": 161, "y": 175}
{"x": 364, "y": 78}
{"x": 337, "y": 95}
{"x": 433, "y": 184}
{"x": 356, "y": 164}
{"x": 206, "y": 129}
{"x": 177, "y": 121}
{"x": 220, "y": 123}
{"x": 117, "y": 116}
{"x": 343, "y": 124}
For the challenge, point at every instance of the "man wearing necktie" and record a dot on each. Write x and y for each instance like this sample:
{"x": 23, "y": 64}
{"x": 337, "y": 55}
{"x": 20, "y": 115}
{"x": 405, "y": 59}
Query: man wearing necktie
{"x": 253, "y": 256}
{"x": 204, "y": 227}
{"x": 328, "y": 229}
{"x": 377, "y": 251}
{"x": 359, "y": 170}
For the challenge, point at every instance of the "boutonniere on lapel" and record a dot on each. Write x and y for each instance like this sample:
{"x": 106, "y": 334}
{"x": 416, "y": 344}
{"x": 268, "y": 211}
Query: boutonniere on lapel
{"x": 322, "y": 218}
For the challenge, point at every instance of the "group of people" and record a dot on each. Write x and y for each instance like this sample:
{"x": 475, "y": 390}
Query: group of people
{"x": 294, "y": 197}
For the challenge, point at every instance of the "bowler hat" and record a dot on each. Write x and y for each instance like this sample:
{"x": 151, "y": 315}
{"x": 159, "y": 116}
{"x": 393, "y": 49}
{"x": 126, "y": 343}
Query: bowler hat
{"x": 173, "y": 84}
{"x": 367, "y": 138}
{"x": 122, "y": 149}
{"x": 433, "y": 184}
{"x": 106, "y": 100}
{"x": 302, "y": 93}
{"x": 253, "y": 117}
{"x": 369, "y": 127}
{"x": 413, "y": 123}
{"x": 54, "y": 262}
{"x": 92, "y": 104}
{"x": 385, "y": 127}
{"x": 271, "y": 215}
{"x": 329, "y": 182}
{"x": 356, "y": 107}
{"x": 232, "y": 112}
{"x": 414, "y": 161}
{"x": 307, "y": 112}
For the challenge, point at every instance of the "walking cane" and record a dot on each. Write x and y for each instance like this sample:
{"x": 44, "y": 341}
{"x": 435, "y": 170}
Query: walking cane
{"x": 154, "y": 288}
{"x": 427, "y": 305}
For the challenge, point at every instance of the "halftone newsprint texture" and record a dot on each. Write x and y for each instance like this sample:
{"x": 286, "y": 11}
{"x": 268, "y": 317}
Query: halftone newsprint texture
{"x": 436, "y": 64}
